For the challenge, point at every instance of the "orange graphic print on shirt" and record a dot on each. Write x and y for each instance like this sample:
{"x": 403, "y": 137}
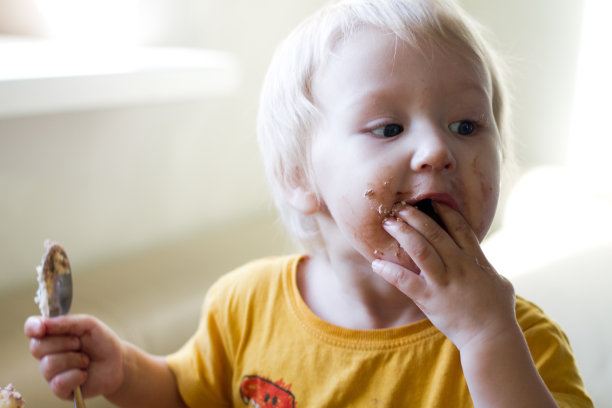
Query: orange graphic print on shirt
{"x": 263, "y": 393}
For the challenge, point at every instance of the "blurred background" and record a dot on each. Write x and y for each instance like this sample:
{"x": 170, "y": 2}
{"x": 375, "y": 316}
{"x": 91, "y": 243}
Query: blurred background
{"x": 127, "y": 133}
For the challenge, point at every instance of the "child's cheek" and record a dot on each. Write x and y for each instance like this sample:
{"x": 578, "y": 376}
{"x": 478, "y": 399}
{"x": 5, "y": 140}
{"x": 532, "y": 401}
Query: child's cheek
{"x": 375, "y": 204}
{"x": 487, "y": 191}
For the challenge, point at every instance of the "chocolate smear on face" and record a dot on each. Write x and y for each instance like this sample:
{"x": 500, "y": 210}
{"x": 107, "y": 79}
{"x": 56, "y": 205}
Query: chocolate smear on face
{"x": 426, "y": 206}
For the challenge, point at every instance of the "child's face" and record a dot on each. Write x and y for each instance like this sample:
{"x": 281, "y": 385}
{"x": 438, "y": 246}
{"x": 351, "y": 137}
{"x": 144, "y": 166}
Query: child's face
{"x": 397, "y": 128}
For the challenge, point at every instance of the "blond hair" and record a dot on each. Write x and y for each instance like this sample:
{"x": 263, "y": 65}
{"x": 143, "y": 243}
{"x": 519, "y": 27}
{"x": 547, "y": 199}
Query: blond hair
{"x": 287, "y": 115}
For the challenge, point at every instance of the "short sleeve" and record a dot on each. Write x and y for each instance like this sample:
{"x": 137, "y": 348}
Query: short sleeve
{"x": 552, "y": 354}
{"x": 201, "y": 366}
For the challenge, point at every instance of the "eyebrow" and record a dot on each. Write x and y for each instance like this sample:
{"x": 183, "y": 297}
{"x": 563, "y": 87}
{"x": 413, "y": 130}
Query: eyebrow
{"x": 473, "y": 88}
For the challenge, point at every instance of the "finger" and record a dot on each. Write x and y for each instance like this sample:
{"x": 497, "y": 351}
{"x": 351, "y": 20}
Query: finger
{"x": 458, "y": 228}
{"x": 64, "y": 383}
{"x": 53, "y": 365}
{"x": 77, "y": 325}
{"x": 418, "y": 248}
{"x": 33, "y": 327}
{"x": 74, "y": 325}
{"x": 437, "y": 237}
{"x": 408, "y": 282}
{"x": 53, "y": 344}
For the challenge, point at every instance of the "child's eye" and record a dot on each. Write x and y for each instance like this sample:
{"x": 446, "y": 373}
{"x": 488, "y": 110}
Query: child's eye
{"x": 462, "y": 127}
{"x": 390, "y": 130}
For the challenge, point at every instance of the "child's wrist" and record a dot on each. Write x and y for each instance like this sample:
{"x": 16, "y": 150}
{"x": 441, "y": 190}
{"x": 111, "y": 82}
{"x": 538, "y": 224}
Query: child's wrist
{"x": 125, "y": 373}
{"x": 501, "y": 339}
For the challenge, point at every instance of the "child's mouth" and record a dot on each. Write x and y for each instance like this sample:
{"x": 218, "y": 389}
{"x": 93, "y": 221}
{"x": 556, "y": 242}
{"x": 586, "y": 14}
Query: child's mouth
{"x": 426, "y": 206}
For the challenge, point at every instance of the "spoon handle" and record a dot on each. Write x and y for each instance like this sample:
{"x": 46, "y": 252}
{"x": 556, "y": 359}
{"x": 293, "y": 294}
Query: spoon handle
{"x": 78, "y": 398}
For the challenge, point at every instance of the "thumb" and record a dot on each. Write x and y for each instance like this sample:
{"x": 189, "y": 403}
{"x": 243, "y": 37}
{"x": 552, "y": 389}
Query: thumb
{"x": 75, "y": 325}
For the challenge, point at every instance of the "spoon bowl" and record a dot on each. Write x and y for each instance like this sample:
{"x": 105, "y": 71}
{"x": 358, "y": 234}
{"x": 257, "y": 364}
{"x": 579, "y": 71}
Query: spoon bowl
{"x": 54, "y": 296}
{"x": 56, "y": 267}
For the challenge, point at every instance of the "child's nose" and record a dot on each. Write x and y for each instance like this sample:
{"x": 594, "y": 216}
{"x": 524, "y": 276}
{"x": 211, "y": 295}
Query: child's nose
{"x": 432, "y": 151}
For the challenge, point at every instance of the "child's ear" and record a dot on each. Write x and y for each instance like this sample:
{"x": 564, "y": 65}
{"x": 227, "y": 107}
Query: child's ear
{"x": 304, "y": 200}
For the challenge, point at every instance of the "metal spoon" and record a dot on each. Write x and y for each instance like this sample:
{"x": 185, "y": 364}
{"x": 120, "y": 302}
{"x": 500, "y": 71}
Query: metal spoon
{"x": 57, "y": 279}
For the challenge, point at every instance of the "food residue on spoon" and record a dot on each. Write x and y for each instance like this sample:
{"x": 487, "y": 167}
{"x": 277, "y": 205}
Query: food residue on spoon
{"x": 54, "y": 262}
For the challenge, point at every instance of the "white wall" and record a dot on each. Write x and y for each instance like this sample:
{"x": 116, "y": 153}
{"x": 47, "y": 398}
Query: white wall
{"x": 540, "y": 39}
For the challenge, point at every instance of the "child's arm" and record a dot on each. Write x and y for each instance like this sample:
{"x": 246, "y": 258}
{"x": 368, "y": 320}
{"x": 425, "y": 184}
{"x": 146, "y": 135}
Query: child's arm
{"x": 80, "y": 350}
{"x": 466, "y": 299}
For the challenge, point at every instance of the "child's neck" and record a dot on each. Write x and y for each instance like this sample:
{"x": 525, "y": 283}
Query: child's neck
{"x": 349, "y": 294}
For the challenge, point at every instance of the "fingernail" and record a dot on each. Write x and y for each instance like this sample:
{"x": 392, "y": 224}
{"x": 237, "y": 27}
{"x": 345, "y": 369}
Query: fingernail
{"x": 40, "y": 326}
{"x": 389, "y": 222}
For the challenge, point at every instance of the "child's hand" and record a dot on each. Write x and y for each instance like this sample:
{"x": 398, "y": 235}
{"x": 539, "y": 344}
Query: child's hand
{"x": 456, "y": 287}
{"x": 76, "y": 350}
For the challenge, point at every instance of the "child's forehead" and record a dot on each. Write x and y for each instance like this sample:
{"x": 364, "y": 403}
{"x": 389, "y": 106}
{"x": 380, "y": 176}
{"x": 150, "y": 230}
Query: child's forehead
{"x": 373, "y": 47}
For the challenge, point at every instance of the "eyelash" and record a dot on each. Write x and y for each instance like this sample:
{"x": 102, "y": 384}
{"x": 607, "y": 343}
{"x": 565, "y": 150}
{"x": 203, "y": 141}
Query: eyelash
{"x": 471, "y": 123}
{"x": 397, "y": 129}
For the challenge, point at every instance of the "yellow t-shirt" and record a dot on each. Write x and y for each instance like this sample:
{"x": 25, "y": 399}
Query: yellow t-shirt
{"x": 258, "y": 343}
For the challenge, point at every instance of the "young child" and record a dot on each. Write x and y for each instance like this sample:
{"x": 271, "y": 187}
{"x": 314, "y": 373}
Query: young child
{"x": 371, "y": 110}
